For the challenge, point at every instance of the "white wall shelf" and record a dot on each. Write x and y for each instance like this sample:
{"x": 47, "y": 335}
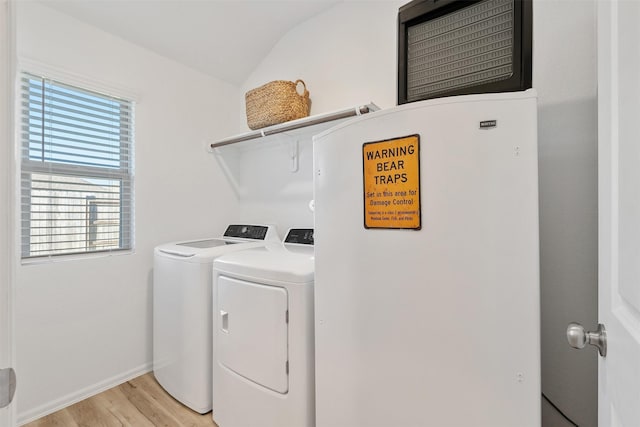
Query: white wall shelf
{"x": 283, "y": 152}
{"x": 303, "y": 124}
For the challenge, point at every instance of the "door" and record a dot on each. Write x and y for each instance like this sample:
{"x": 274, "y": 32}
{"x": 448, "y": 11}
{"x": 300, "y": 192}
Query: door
{"x": 253, "y": 332}
{"x": 619, "y": 211}
{"x": 7, "y": 379}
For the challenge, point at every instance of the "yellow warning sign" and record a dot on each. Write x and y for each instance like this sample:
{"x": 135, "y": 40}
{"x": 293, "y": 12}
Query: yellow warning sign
{"x": 392, "y": 183}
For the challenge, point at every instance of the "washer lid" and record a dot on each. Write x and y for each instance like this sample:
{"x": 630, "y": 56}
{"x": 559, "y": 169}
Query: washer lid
{"x": 193, "y": 253}
{"x": 236, "y": 237}
{"x": 277, "y": 263}
{"x": 208, "y": 243}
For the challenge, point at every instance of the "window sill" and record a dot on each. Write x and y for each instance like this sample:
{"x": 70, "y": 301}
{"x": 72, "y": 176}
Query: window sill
{"x": 75, "y": 257}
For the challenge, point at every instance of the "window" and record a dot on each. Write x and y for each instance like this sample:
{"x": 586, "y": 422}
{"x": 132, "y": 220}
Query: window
{"x": 76, "y": 170}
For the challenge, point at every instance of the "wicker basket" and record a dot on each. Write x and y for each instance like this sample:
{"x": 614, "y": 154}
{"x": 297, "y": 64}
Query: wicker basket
{"x": 276, "y": 102}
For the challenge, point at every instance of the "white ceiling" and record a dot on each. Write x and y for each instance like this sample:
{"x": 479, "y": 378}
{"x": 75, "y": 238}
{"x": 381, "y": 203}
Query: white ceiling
{"x": 225, "y": 39}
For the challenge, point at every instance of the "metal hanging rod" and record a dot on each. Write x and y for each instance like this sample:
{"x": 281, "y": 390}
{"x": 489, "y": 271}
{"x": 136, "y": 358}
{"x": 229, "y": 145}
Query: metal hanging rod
{"x": 297, "y": 124}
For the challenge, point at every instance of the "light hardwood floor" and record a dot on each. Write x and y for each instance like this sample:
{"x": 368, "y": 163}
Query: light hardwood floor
{"x": 141, "y": 402}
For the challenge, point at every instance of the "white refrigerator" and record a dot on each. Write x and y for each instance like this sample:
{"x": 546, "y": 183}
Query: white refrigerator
{"x": 427, "y": 307}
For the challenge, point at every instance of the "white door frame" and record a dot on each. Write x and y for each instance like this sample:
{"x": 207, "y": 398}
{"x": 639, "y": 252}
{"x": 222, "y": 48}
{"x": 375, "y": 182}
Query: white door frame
{"x": 7, "y": 294}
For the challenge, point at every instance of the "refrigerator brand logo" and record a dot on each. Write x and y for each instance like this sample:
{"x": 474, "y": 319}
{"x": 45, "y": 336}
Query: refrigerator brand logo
{"x": 488, "y": 124}
{"x": 391, "y": 178}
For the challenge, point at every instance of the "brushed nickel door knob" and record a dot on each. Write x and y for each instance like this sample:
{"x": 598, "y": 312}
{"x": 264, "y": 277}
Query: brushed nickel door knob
{"x": 578, "y": 338}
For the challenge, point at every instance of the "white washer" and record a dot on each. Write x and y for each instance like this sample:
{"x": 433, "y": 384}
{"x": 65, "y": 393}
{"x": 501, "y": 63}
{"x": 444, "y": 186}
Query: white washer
{"x": 182, "y": 334}
{"x": 263, "y": 367}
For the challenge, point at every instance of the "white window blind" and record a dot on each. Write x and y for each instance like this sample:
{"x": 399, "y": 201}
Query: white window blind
{"x": 76, "y": 170}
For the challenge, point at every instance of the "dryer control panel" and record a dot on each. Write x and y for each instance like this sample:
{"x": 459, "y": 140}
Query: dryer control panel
{"x": 301, "y": 236}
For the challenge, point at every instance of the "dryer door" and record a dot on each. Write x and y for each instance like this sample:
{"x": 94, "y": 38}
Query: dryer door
{"x": 252, "y": 332}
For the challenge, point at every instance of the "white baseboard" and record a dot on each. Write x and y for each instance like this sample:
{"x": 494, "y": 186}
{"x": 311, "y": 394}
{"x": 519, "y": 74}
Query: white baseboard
{"x": 75, "y": 397}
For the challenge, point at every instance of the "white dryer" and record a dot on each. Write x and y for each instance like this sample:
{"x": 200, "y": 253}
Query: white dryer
{"x": 263, "y": 366}
{"x": 182, "y": 334}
